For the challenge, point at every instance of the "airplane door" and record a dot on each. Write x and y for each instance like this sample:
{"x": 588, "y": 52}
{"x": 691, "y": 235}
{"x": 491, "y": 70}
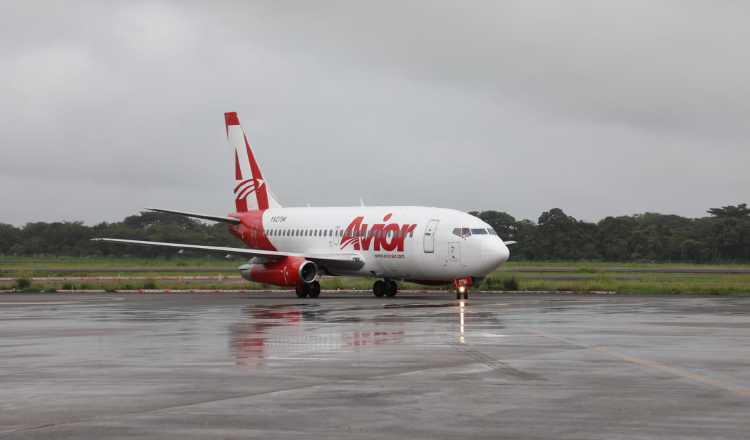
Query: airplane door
{"x": 429, "y": 236}
{"x": 333, "y": 240}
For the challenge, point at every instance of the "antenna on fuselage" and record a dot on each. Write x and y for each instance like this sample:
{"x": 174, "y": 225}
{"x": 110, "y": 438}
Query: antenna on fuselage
{"x": 361, "y": 202}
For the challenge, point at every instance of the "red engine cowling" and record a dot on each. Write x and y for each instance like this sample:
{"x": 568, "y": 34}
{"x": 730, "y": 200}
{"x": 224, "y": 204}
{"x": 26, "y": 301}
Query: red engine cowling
{"x": 289, "y": 271}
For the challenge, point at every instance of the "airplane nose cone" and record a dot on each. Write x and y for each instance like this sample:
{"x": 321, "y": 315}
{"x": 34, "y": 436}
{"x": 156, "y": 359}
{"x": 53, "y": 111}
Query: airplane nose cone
{"x": 495, "y": 253}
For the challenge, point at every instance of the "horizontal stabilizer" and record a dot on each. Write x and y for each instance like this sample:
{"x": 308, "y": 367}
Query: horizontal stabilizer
{"x": 213, "y": 218}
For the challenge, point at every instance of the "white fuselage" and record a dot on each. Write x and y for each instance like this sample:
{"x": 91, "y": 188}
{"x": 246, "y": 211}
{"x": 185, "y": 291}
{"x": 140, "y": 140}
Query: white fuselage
{"x": 398, "y": 242}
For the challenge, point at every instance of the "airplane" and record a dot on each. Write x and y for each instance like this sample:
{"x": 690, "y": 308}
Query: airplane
{"x": 295, "y": 246}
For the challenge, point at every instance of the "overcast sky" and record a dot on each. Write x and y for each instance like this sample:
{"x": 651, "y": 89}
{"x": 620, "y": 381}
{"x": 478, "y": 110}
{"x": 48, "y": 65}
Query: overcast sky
{"x": 599, "y": 108}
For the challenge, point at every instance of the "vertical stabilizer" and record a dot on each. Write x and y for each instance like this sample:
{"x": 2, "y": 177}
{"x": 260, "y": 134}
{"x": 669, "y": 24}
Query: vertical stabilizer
{"x": 251, "y": 191}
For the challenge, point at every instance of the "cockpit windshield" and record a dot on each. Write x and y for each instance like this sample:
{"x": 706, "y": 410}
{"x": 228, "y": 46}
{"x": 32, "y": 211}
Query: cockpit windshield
{"x": 462, "y": 232}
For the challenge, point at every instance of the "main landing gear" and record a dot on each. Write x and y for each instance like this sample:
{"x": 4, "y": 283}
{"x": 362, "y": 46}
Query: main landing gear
{"x": 387, "y": 288}
{"x": 304, "y": 290}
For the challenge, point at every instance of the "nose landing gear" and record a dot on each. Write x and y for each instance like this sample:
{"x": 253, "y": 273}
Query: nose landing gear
{"x": 387, "y": 288}
{"x": 462, "y": 287}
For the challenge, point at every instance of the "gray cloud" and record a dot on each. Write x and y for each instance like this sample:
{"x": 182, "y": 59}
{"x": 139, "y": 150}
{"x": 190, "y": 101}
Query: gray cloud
{"x": 596, "y": 107}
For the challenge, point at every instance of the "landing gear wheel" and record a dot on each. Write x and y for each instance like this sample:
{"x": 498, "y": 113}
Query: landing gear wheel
{"x": 301, "y": 290}
{"x": 391, "y": 288}
{"x": 314, "y": 289}
{"x": 466, "y": 294}
{"x": 378, "y": 288}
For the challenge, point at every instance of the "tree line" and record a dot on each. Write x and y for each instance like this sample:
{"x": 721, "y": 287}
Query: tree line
{"x": 721, "y": 236}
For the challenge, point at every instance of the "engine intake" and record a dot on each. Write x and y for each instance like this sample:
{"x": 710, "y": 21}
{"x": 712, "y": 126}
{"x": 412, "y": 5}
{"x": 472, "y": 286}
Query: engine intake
{"x": 288, "y": 271}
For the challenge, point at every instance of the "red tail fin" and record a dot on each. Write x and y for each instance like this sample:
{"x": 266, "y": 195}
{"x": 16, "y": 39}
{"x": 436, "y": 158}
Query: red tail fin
{"x": 248, "y": 177}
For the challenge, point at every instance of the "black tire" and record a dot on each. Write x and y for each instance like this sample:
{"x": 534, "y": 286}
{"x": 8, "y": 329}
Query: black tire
{"x": 301, "y": 290}
{"x": 458, "y": 295}
{"x": 314, "y": 289}
{"x": 391, "y": 288}
{"x": 378, "y": 288}
{"x": 466, "y": 294}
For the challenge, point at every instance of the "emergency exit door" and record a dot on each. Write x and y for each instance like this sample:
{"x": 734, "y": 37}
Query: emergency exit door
{"x": 429, "y": 236}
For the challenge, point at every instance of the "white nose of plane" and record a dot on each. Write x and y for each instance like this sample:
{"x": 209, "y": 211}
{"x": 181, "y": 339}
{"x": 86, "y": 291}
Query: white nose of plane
{"x": 495, "y": 253}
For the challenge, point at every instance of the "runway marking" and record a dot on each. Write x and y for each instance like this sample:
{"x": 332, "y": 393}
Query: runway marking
{"x": 654, "y": 365}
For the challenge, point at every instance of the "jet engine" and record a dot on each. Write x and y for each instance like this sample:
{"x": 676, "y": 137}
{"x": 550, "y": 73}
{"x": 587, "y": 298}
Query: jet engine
{"x": 288, "y": 271}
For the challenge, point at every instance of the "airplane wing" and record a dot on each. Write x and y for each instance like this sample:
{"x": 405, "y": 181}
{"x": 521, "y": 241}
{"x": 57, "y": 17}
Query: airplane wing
{"x": 323, "y": 258}
{"x": 508, "y": 243}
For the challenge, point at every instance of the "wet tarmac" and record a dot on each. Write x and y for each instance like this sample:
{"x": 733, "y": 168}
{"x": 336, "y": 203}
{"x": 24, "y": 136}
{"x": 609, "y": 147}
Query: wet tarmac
{"x": 268, "y": 365}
